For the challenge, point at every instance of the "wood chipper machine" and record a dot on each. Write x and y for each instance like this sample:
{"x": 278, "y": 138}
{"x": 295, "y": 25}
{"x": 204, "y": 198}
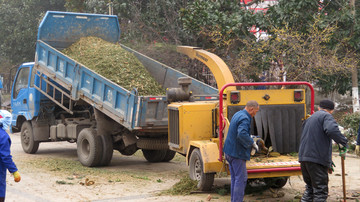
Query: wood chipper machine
{"x": 197, "y": 129}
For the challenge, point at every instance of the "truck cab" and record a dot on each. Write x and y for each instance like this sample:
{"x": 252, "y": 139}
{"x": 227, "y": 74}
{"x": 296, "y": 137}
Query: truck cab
{"x": 23, "y": 96}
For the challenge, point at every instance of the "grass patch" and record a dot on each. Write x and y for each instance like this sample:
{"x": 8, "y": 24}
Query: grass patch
{"x": 222, "y": 191}
{"x": 140, "y": 177}
{"x": 75, "y": 170}
{"x": 294, "y": 154}
{"x": 63, "y": 182}
{"x": 184, "y": 187}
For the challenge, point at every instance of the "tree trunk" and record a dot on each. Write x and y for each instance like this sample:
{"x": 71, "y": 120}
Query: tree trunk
{"x": 355, "y": 89}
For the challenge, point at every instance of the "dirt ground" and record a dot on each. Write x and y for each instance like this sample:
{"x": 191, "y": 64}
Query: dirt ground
{"x": 55, "y": 174}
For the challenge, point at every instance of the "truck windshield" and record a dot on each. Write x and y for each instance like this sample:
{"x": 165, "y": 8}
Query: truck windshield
{"x": 21, "y": 80}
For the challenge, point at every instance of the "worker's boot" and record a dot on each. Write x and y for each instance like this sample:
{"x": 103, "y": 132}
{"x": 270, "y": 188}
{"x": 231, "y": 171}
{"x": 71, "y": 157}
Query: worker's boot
{"x": 308, "y": 195}
{"x": 321, "y": 193}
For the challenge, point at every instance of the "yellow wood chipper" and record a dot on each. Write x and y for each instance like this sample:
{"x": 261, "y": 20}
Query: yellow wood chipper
{"x": 197, "y": 129}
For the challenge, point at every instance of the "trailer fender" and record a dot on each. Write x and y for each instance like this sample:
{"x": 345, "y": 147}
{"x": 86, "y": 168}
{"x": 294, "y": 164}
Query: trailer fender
{"x": 209, "y": 153}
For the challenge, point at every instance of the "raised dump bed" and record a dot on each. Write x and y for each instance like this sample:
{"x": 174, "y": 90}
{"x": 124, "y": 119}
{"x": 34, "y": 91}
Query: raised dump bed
{"x": 58, "y": 98}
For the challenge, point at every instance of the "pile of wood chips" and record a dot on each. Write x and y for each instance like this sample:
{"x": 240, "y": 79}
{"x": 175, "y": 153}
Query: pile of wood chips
{"x": 114, "y": 63}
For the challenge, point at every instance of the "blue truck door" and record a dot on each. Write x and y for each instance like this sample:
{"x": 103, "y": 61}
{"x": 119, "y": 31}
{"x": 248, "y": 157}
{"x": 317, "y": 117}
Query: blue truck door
{"x": 20, "y": 93}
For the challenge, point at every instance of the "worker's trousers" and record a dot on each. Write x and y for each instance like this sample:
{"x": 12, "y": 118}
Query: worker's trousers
{"x": 238, "y": 178}
{"x": 316, "y": 178}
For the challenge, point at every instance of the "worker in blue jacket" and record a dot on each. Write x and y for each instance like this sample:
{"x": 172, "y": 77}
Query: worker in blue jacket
{"x": 6, "y": 162}
{"x": 237, "y": 148}
{"x": 315, "y": 152}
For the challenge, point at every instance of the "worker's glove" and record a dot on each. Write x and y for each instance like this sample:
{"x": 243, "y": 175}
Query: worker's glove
{"x": 254, "y": 145}
{"x": 331, "y": 169}
{"x": 17, "y": 177}
{"x": 254, "y": 149}
{"x": 342, "y": 150}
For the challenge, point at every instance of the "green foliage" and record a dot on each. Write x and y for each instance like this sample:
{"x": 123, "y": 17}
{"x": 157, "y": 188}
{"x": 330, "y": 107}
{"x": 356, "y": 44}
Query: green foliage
{"x": 351, "y": 121}
{"x": 19, "y": 22}
{"x": 75, "y": 5}
{"x": 214, "y": 24}
{"x": 334, "y": 82}
{"x": 303, "y": 57}
{"x": 184, "y": 187}
{"x": 140, "y": 20}
{"x": 295, "y": 14}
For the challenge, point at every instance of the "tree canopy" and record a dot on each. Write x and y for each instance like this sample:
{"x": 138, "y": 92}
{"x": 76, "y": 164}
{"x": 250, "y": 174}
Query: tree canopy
{"x": 305, "y": 39}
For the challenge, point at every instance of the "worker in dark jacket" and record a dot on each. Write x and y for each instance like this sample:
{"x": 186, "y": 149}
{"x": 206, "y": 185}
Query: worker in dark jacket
{"x": 315, "y": 151}
{"x": 6, "y": 162}
{"x": 237, "y": 148}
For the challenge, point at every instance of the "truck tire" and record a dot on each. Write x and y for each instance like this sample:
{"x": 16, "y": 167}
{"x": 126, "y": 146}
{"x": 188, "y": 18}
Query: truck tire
{"x": 276, "y": 182}
{"x": 27, "y": 138}
{"x": 153, "y": 143}
{"x": 154, "y": 155}
{"x": 205, "y": 180}
{"x": 108, "y": 150}
{"x": 89, "y": 147}
{"x": 169, "y": 155}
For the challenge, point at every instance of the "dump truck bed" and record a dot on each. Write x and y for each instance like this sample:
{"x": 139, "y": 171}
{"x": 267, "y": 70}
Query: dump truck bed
{"x": 58, "y": 30}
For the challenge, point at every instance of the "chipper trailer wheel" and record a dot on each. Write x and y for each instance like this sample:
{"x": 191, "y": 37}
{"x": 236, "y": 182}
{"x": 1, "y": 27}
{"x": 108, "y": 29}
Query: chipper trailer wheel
{"x": 89, "y": 147}
{"x": 205, "y": 180}
{"x": 27, "y": 138}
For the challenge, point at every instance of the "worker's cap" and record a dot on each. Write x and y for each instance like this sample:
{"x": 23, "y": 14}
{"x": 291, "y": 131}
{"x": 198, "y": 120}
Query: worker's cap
{"x": 327, "y": 104}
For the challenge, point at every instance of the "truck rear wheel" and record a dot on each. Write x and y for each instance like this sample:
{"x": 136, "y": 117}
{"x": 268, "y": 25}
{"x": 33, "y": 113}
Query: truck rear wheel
{"x": 27, "y": 138}
{"x": 153, "y": 143}
{"x": 154, "y": 155}
{"x": 108, "y": 150}
{"x": 205, "y": 180}
{"x": 89, "y": 147}
{"x": 276, "y": 182}
{"x": 169, "y": 155}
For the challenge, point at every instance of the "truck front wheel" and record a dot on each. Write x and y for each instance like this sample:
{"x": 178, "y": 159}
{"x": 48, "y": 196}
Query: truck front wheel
{"x": 89, "y": 147}
{"x": 108, "y": 150}
{"x": 27, "y": 138}
{"x": 205, "y": 180}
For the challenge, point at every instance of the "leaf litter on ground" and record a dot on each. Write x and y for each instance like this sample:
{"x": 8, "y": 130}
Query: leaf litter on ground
{"x": 114, "y": 63}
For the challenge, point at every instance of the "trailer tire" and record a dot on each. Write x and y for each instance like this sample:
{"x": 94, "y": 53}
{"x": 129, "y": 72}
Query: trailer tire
{"x": 276, "y": 182}
{"x": 169, "y": 155}
{"x": 27, "y": 138}
{"x": 89, "y": 147}
{"x": 108, "y": 150}
{"x": 205, "y": 180}
{"x": 154, "y": 155}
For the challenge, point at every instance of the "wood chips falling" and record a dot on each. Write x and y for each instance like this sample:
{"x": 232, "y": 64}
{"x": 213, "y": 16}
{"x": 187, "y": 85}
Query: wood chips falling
{"x": 114, "y": 63}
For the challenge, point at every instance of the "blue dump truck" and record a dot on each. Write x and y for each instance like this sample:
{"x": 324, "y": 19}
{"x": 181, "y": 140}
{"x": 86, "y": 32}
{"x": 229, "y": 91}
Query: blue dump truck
{"x": 55, "y": 98}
